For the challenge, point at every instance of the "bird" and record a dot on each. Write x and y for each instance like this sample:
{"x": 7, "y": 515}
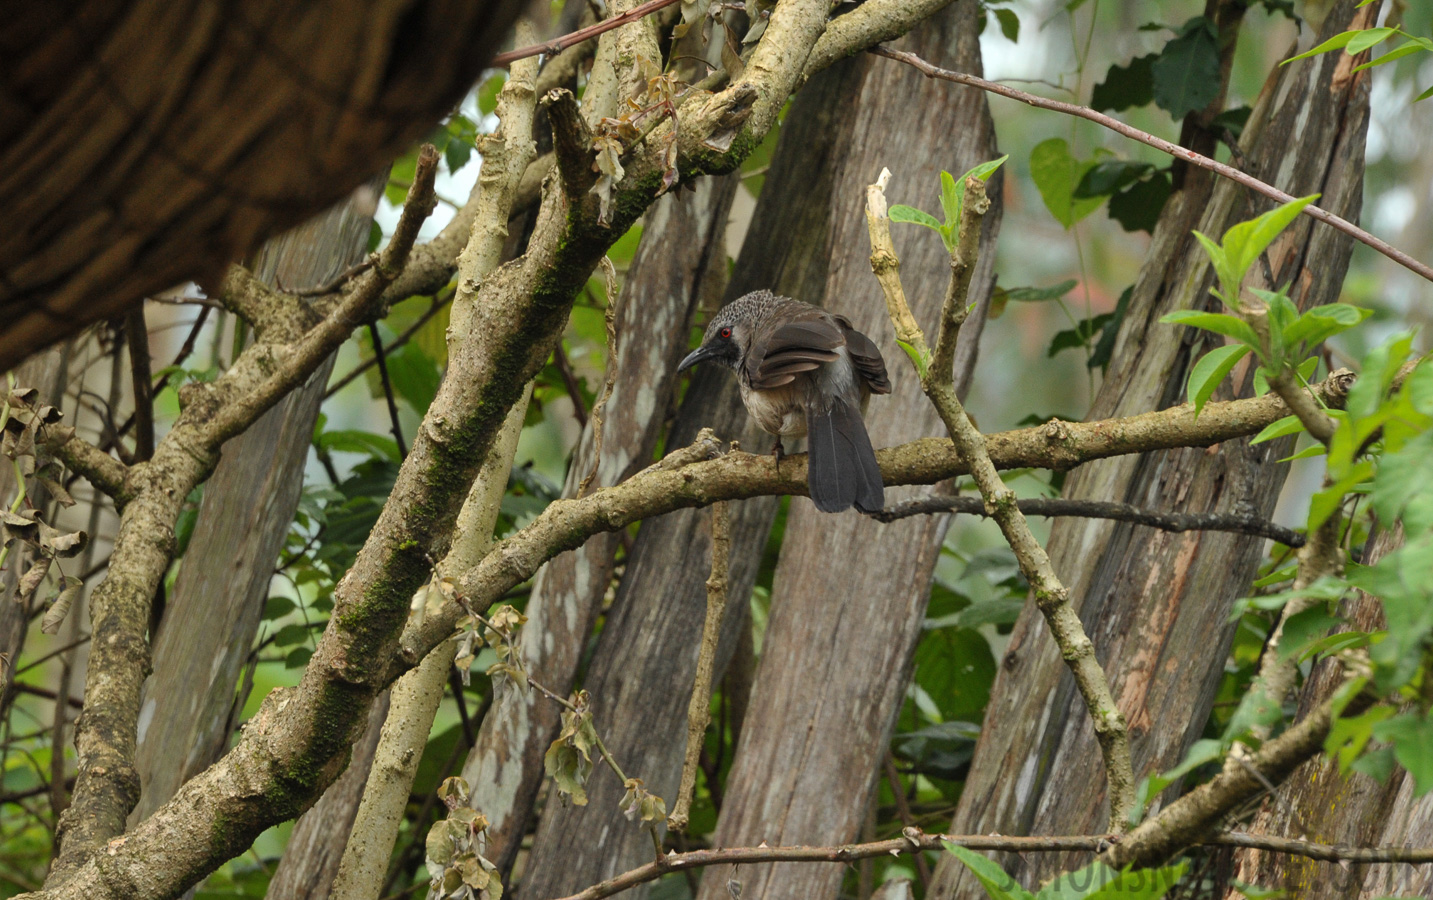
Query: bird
{"x": 805, "y": 371}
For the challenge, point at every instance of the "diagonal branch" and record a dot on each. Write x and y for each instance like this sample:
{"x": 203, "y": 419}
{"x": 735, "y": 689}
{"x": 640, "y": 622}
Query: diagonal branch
{"x": 1051, "y": 596}
{"x": 1421, "y": 269}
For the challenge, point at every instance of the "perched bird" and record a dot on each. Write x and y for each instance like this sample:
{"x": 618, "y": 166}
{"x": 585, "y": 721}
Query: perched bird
{"x": 805, "y": 371}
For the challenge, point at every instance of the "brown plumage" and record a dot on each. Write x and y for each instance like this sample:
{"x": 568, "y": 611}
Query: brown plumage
{"x": 805, "y": 371}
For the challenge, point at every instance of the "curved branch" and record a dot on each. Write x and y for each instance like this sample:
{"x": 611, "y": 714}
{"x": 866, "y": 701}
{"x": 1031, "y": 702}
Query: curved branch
{"x": 1421, "y": 269}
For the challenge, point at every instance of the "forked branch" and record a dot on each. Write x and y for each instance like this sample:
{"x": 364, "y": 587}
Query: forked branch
{"x": 1051, "y": 596}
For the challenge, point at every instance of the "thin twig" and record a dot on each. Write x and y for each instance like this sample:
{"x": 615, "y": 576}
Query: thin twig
{"x": 439, "y": 302}
{"x": 379, "y": 358}
{"x": 1098, "y": 509}
{"x": 913, "y": 840}
{"x": 699, "y": 709}
{"x": 1051, "y": 596}
{"x": 558, "y": 44}
{"x": 1403, "y": 259}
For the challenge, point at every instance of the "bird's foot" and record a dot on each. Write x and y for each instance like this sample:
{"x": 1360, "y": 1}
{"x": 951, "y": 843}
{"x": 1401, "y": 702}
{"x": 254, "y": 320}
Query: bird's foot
{"x": 777, "y": 453}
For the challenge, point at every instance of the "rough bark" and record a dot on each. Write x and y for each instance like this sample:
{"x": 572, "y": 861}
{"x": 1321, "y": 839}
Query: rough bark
{"x": 218, "y": 599}
{"x": 1156, "y": 604}
{"x": 641, "y": 674}
{"x": 1320, "y": 803}
{"x": 682, "y": 250}
{"x": 147, "y": 142}
{"x": 849, "y": 588}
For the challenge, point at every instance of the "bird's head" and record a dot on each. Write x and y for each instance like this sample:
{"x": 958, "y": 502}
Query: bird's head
{"x": 724, "y": 339}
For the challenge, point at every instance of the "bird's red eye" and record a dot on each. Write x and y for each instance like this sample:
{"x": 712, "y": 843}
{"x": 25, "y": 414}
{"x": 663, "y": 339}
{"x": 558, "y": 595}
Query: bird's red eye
{"x": 726, "y": 332}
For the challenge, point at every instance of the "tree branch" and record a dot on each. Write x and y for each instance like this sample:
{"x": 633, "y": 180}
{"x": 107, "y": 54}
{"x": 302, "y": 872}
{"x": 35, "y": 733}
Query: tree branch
{"x": 1051, "y": 596}
{"x": 699, "y": 710}
{"x": 1423, "y": 270}
{"x": 913, "y": 840}
{"x": 1097, "y": 509}
{"x": 1190, "y": 818}
{"x": 558, "y": 44}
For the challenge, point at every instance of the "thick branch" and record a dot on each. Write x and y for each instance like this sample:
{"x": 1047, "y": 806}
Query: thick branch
{"x": 1192, "y": 817}
{"x": 106, "y": 473}
{"x": 699, "y": 475}
{"x": 1403, "y": 259}
{"x": 1097, "y": 509}
{"x": 1051, "y": 596}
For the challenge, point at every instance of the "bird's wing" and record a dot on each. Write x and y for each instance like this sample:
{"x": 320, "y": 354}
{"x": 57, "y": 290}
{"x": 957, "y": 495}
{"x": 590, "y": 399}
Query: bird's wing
{"x": 866, "y": 356}
{"x": 791, "y": 349}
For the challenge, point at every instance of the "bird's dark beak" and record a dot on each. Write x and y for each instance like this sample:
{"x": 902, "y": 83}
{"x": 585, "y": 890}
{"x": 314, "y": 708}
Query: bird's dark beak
{"x": 695, "y": 357}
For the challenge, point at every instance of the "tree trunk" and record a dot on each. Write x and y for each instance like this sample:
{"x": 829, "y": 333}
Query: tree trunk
{"x": 641, "y": 674}
{"x": 1320, "y": 803}
{"x": 681, "y": 252}
{"x": 144, "y": 143}
{"x": 1156, "y": 604}
{"x": 848, "y": 588}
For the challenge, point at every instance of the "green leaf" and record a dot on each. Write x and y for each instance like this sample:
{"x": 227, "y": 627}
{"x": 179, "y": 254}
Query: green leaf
{"x": 1323, "y": 322}
{"x": 1337, "y": 42}
{"x": 1285, "y": 426}
{"x": 290, "y": 635}
{"x": 1411, "y": 735}
{"x": 1202, "y": 751}
{"x": 1219, "y": 323}
{"x": 902, "y": 213}
{"x": 998, "y": 884}
{"x": 1212, "y": 369}
{"x": 350, "y": 441}
{"x": 950, "y": 199}
{"x": 1140, "y": 884}
{"x": 984, "y": 170}
{"x": 1078, "y": 884}
{"x": 1137, "y": 207}
{"x": 1244, "y": 242}
{"x": 1424, "y": 96}
{"x": 1107, "y": 177}
{"x": 488, "y": 93}
{"x": 920, "y": 362}
{"x": 1392, "y": 56}
{"x": 1376, "y": 764}
{"x": 1254, "y": 892}
{"x": 1350, "y": 734}
{"x": 1056, "y": 173}
{"x": 1186, "y": 74}
{"x": 1304, "y": 629}
{"x": 1369, "y": 37}
{"x": 1126, "y": 86}
{"x": 297, "y": 658}
{"x": 1009, "y": 24}
{"x": 1403, "y": 486}
{"x": 277, "y": 607}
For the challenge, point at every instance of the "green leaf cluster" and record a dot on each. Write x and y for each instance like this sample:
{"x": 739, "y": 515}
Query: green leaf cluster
{"x": 952, "y": 199}
{"x": 1096, "y": 881}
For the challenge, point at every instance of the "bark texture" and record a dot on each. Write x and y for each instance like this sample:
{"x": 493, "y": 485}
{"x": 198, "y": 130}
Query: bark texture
{"x": 147, "y": 142}
{"x": 214, "y": 611}
{"x": 1156, "y": 604}
{"x": 848, "y": 588}
{"x": 641, "y": 675}
{"x": 682, "y": 252}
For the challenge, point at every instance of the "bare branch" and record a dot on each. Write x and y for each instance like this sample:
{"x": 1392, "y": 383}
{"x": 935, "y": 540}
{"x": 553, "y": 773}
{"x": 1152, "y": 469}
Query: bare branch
{"x": 913, "y": 840}
{"x": 1423, "y": 270}
{"x": 699, "y": 710}
{"x": 1096, "y": 509}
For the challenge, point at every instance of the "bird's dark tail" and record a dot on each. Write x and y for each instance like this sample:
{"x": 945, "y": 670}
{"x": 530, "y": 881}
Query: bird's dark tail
{"x": 842, "y": 469}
